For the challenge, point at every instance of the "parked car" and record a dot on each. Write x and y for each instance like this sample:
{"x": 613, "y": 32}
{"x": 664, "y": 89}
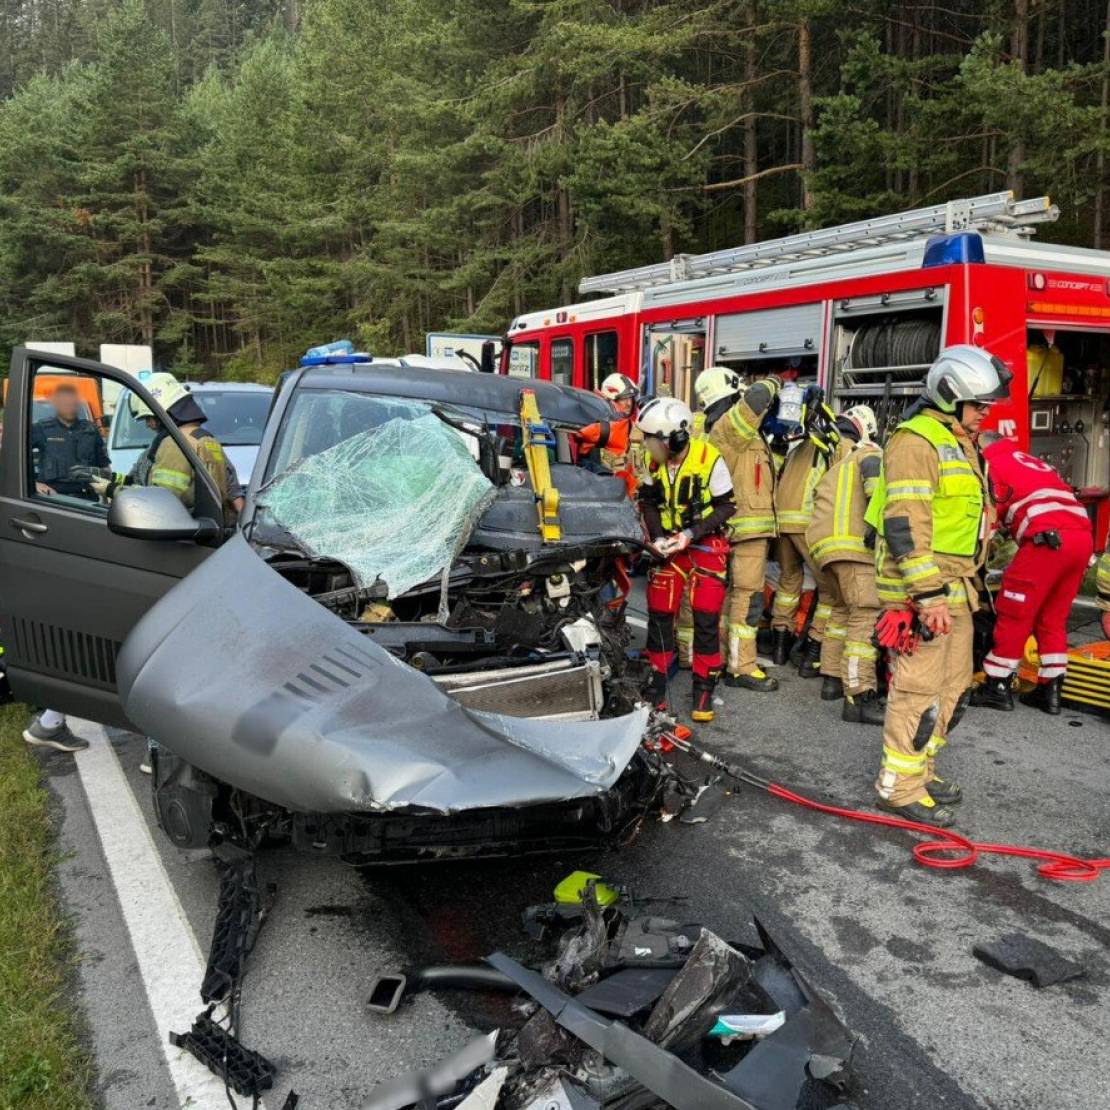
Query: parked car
{"x": 236, "y": 414}
{"x": 385, "y": 661}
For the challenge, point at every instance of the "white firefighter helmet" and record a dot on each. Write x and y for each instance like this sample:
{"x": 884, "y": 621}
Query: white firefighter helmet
{"x": 164, "y": 388}
{"x": 715, "y": 383}
{"x": 966, "y": 373}
{"x": 667, "y": 419}
{"x": 619, "y": 387}
{"x": 862, "y": 417}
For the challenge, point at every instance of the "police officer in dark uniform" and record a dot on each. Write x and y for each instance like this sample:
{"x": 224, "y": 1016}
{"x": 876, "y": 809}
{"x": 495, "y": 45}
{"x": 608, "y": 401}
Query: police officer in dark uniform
{"x": 64, "y": 441}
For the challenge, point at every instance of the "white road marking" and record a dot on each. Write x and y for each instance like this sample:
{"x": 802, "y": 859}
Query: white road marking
{"x": 169, "y": 958}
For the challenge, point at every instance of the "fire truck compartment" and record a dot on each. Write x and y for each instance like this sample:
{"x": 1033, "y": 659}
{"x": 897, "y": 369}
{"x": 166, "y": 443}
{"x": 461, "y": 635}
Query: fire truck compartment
{"x": 1069, "y": 402}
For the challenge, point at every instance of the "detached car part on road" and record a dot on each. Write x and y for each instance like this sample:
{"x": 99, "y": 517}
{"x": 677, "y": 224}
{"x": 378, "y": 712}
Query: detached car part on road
{"x": 386, "y": 662}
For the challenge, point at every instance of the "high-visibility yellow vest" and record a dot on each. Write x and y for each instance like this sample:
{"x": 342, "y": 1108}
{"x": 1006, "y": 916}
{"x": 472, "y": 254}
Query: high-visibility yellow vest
{"x": 686, "y": 498}
{"x": 957, "y": 500}
{"x": 838, "y": 531}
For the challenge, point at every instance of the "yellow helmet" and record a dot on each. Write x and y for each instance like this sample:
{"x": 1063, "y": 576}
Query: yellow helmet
{"x": 164, "y": 388}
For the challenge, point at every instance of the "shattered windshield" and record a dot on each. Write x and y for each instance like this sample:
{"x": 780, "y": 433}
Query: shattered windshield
{"x": 382, "y": 485}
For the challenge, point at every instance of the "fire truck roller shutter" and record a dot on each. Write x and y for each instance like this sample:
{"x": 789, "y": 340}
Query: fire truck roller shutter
{"x": 770, "y": 333}
{"x": 913, "y": 342}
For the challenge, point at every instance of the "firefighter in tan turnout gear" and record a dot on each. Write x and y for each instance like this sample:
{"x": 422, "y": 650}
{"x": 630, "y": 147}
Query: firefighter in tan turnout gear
{"x": 806, "y": 464}
{"x": 933, "y": 507}
{"x": 737, "y": 434}
{"x": 842, "y": 544}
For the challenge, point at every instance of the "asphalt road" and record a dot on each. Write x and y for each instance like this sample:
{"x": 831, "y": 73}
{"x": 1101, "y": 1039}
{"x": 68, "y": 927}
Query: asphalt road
{"x": 888, "y": 943}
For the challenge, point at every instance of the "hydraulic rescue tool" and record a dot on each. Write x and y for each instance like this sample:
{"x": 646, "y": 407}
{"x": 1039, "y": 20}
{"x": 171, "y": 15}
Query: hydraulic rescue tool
{"x": 538, "y": 437}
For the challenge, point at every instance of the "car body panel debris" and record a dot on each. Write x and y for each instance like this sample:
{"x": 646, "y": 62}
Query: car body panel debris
{"x": 245, "y": 677}
{"x": 1028, "y": 958}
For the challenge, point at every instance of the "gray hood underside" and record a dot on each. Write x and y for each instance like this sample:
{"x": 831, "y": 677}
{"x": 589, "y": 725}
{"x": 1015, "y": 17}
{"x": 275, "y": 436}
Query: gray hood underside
{"x": 242, "y": 675}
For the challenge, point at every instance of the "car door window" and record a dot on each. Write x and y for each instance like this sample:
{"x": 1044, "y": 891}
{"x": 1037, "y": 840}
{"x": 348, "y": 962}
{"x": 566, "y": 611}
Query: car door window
{"x": 562, "y": 361}
{"x": 67, "y": 451}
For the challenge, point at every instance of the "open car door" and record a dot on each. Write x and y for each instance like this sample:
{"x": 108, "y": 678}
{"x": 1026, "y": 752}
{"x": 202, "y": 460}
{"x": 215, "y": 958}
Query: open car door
{"x": 76, "y": 573}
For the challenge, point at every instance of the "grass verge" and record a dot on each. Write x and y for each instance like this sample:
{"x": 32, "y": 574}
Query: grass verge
{"x": 42, "y": 1061}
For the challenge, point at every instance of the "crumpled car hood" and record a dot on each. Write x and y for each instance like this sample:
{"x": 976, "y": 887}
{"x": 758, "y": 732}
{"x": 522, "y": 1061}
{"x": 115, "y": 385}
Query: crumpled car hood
{"x": 242, "y": 675}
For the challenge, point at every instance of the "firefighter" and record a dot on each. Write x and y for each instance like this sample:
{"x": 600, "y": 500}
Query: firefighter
{"x": 686, "y": 501}
{"x": 611, "y": 439}
{"x": 1102, "y": 585}
{"x": 842, "y": 544}
{"x": 737, "y": 433}
{"x": 164, "y": 463}
{"x": 806, "y": 464}
{"x": 1053, "y": 533}
{"x": 934, "y": 511}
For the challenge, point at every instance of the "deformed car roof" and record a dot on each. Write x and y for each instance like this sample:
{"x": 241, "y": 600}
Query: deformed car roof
{"x": 247, "y": 678}
{"x": 495, "y": 393}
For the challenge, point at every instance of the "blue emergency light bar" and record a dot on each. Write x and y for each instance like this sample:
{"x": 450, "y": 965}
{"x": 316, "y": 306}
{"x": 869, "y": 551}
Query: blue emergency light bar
{"x": 341, "y": 352}
{"x": 949, "y": 250}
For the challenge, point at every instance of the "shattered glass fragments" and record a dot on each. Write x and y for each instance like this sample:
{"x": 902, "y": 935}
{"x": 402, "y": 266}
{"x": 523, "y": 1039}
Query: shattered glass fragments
{"x": 394, "y": 501}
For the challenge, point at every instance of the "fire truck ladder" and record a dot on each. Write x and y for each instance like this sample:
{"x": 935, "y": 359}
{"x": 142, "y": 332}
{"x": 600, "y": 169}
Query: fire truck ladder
{"x": 997, "y": 212}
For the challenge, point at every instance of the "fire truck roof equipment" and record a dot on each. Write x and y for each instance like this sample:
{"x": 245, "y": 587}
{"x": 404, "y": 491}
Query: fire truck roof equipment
{"x": 996, "y": 212}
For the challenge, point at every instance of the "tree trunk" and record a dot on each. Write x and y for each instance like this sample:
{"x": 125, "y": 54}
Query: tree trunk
{"x": 805, "y": 106}
{"x": 751, "y": 135}
{"x": 915, "y": 84}
{"x": 1019, "y": 49}
{"x": 292, "y": 15}
{"x": 1100, "y": 161}
{"x": 146, "y": 266}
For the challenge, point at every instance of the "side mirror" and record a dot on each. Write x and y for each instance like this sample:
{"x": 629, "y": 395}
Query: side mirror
{"x": 486, "y": 366}
{"x": 153, "y": 513}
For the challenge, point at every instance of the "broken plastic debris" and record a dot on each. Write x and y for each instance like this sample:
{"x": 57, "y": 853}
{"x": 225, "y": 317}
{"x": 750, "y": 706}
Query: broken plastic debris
{"x": 571, "y": 890}
{"x": 1028, "y": 958}
{"x": 740, "y": 1027}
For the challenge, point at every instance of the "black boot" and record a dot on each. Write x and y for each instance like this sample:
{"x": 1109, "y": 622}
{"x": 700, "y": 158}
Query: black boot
{"x": 1046, "y": 696}
{"x": 757, "y": 680}
{"x": 832, "y": 689}
{"x": 863, "y": 709}
{"x": 995, "y": 693}
{"x": 655, "y": 691}
{"x": 810, "y": 664}
{"x": 702, "y": 711}
{"x": 783, "y": 640}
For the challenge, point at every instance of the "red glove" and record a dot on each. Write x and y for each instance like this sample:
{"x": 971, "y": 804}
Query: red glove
{"x": 1106, "y": 625}
{"x": 894, "y": 630}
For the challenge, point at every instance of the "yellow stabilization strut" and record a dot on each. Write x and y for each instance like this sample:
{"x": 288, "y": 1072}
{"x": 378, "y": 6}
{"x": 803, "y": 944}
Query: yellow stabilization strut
{"x": 538, "y": 437}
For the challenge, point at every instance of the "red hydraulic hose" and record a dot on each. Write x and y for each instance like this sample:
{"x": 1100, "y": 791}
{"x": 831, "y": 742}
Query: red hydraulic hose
{"x": 949, "y": 851}
{"x": 944, "y": 850}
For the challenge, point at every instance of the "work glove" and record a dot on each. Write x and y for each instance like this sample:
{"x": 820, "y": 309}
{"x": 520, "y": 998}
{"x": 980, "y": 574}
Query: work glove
{"x": 672, "y": 545}
{"x": 102, "y": 487}
{"x": 894, "y": 631}
{"x": 88, "y": 473}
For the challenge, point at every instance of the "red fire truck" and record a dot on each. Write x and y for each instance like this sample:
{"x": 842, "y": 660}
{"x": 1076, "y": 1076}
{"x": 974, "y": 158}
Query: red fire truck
{"x": 863, "y": 309}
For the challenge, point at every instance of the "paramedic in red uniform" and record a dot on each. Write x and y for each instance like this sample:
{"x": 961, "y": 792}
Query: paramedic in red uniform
{"x": 1053, "y": 533}
{"x": 686, "y": 500}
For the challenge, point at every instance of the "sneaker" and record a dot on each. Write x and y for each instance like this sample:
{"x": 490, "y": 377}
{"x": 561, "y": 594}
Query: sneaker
{"x": 756, "y": 680}
{"x": 59, "y": 738}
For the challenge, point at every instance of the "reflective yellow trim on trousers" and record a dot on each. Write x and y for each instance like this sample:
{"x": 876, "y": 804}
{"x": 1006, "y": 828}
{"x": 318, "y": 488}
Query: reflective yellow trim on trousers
{"x": 891, "y": 589}
{"x": 684, "y": 634}
{"x": 835, "y": 632}
{"x": 838, "y": 543}
{"x": 741, "y": 631}
{"x": 904, "y": 764}
{"x": 858, "y": 649}
{"x": 934, "y": 745}
{"x": 741, "y": 524}
{"x": 822, "y": 611}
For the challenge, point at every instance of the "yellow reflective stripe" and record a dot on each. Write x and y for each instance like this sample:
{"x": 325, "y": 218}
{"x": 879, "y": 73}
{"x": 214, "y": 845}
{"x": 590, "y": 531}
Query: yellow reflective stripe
{"x": 844, "y": 484}
{"x": 859, "y": 649}
{"x": 822, "y": 611}
{"x": 892, "y": 497}
{"x": 915, "y": 569}
{"x": 934, "y": 745}
{"x": 751, "y": 524}
{"x": 909, "y": 485}
{"x": 904, "y": 764}
{"x": 684, "y": 634}
{"x": 838, "y": 543}
{"x": 739, "y": 423}
{"x": 793, "y": 516}
{"x": 835, "y": 632}
{"x": 957, "y": 591}
{"x": 171, "y": 479}
{"x": 741, "y": 632}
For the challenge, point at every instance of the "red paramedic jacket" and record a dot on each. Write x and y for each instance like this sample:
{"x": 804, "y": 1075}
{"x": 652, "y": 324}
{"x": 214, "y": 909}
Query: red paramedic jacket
{"x": 1030, "y": 495}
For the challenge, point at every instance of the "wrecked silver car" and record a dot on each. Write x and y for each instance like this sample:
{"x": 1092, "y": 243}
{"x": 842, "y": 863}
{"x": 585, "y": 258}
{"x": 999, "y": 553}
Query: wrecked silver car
{"x": 393, "y": 658}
